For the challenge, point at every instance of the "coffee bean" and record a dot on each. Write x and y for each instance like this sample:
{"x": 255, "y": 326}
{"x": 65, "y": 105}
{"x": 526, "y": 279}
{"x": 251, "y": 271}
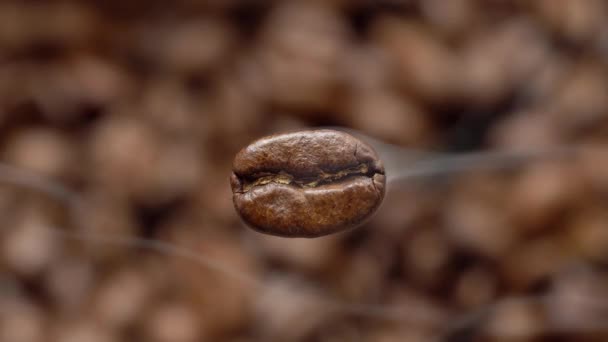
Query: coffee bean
{"x": 307, "y": 184}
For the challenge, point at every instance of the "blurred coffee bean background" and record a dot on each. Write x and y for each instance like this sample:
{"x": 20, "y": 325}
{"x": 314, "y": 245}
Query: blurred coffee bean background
{"x": 140, "y": 106}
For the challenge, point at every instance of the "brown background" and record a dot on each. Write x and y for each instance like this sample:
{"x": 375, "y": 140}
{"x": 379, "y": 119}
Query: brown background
{"x": 139, "y": 106}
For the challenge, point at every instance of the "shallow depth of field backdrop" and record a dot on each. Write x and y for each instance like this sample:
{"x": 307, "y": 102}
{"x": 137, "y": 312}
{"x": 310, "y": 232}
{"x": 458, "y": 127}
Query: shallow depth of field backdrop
{"x": 140, "y": 106}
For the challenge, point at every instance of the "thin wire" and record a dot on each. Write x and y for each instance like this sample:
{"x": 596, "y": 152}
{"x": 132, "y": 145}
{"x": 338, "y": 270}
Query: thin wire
{"x": 492, "y": 160}
{"x": 21, "y": 177}
{"x": 73, "y": 201}
{"x": 163, "y": 248}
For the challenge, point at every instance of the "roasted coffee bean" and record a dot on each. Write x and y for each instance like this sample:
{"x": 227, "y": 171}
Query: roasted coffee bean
{"x": 307, "y": 184}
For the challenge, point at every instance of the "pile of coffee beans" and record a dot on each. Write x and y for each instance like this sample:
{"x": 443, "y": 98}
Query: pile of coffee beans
{"x": 139, "y": 108}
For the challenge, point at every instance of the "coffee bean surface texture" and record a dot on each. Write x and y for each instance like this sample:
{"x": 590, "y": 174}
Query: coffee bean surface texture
{"x": 307, "y": 184}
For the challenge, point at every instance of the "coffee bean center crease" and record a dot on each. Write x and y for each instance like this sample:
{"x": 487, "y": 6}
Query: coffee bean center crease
{"x": 307, "y": 184}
